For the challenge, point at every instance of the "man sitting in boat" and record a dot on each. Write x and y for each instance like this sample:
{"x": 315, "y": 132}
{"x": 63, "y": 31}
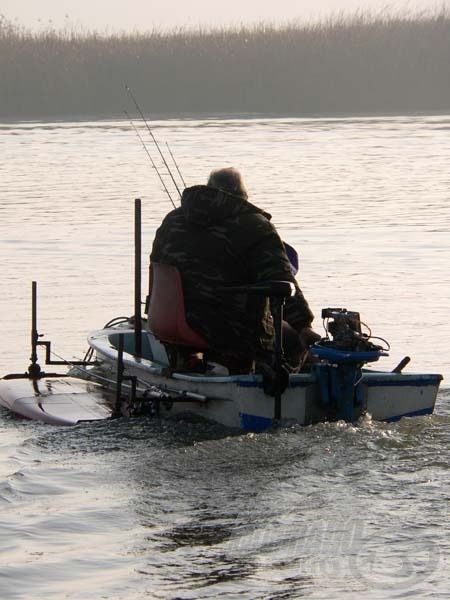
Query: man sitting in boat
{"x": 215, "y": 239}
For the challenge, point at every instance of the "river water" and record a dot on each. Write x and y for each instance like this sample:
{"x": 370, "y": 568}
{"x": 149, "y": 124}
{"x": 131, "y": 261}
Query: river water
{"x": 133, "y": 509}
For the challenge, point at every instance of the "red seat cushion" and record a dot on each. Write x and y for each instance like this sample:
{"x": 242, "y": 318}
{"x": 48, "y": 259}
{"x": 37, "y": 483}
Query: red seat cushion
{"x": 166, "y": 315}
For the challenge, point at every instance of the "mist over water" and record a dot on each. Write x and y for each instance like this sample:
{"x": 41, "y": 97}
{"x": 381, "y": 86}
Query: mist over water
{"x": 145, "y": 509}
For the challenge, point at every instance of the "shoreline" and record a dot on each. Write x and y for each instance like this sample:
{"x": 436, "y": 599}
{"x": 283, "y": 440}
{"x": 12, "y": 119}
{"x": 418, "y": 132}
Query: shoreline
{"x": 338, "y": 116}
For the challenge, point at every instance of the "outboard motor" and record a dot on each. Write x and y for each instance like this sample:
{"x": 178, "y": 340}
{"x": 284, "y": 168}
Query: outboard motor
{"x": 342, "y": 358}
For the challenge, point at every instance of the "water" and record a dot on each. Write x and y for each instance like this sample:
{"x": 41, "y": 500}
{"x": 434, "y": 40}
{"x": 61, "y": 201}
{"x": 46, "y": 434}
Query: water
{"x": 144, "y": 509}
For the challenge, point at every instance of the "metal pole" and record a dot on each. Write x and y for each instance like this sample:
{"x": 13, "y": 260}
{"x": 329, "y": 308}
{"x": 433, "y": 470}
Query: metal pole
{"x": 278, "y": 352}
{"x": 34, "y": 370}
{"x": 120, "y": 369}
{"x": 34, "y": 333}
{"x": 137, "y": 278}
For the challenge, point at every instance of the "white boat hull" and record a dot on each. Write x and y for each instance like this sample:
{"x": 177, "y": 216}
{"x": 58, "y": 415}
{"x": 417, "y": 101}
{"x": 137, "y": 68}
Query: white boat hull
{"x": 391, "y": 396}
{"x": 240, "y": 401}
{"x": 237, "y": 401}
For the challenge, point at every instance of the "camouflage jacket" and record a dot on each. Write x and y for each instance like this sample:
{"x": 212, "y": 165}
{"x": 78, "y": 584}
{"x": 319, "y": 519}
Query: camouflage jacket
{"x": 216, "y": 239}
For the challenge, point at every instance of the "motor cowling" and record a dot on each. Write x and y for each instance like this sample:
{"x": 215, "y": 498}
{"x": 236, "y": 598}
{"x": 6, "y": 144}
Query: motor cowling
{"x": 341, "y": 359}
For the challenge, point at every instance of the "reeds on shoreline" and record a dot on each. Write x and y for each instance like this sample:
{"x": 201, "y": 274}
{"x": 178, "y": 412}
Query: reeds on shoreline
{"x": 360, "y": 64}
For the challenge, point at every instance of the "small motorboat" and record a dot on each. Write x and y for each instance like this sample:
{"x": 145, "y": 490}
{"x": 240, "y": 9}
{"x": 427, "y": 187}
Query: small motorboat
{"x": 338, "y": 386}
{"x": 123, "y": 376}
{"x": 132, "y": 367}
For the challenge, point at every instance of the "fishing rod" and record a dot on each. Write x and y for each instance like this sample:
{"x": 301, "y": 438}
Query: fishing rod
{"x": 176, "y": 165}
{"x": 153, "y": 138}
{"x": 150, "y": 157}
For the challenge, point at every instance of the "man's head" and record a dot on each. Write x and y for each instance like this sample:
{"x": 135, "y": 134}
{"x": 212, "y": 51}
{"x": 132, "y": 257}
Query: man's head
{"x": 229, "y": 180}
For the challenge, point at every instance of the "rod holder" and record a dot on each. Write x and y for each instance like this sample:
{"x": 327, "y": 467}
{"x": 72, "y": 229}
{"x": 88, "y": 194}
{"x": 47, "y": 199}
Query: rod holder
{"x": 121, "y": 377}
{"x": 34, "y": 370}
{"x": 137, "y": 278}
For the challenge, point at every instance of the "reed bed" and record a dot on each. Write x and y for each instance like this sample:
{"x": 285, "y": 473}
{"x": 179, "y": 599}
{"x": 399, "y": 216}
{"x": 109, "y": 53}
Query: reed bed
{"x": 360, "y": 64}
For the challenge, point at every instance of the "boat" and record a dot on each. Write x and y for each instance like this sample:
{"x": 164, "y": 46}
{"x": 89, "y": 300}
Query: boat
{"x": 137, "y": 366}
{"x": 120, "y": 376}
{"x": 243, "y": 401}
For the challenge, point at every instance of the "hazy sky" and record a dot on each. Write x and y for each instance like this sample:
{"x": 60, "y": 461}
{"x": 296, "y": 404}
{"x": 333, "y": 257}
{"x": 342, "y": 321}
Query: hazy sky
{"x": 114, "y": 15}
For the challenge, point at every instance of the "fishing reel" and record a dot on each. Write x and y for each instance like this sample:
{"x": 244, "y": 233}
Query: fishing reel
{"x": 345, "y": 328}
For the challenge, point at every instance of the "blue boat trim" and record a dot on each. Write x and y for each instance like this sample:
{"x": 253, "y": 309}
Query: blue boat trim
{"x": 259, "y": 384}
{"x": 254, "y": 422}
{"x": 248, "y": 384}
{"x": 415, "y": 413}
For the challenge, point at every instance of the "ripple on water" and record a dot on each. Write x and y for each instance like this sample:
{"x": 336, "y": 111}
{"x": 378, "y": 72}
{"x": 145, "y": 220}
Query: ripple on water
{"x": 139, "y": 509}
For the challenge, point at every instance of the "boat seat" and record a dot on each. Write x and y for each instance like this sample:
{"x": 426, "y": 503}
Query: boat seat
{"x": 165, "y": 308}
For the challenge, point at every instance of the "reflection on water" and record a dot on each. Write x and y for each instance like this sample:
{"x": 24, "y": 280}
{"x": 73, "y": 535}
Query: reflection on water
{"x": 147, "y": 509}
